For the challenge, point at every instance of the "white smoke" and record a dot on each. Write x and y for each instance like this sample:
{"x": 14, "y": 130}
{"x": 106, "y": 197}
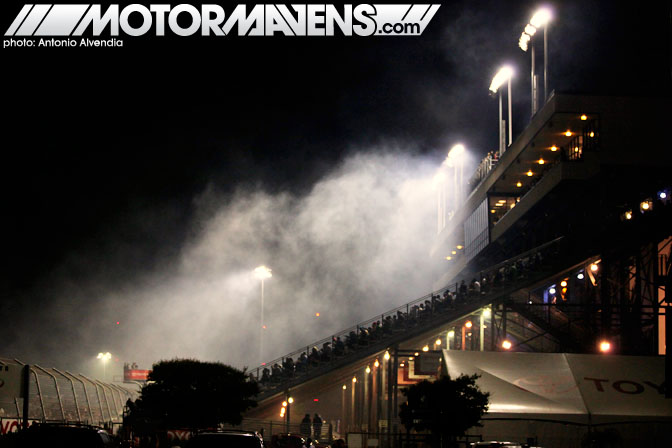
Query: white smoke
{"x": 355, "y": 245}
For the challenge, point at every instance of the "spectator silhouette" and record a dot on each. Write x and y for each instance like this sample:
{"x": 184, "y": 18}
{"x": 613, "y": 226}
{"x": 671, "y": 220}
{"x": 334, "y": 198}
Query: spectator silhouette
{"x": 304, "y": 427}
{"x": 317, "y": 427}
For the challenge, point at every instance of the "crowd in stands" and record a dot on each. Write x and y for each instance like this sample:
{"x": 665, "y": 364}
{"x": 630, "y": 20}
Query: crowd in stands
{"x": 486, "y": 165}
{"x": 399, "y": 321}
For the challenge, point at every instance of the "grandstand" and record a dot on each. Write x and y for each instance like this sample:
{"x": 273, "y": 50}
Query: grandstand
{"x": 568, "y": 234}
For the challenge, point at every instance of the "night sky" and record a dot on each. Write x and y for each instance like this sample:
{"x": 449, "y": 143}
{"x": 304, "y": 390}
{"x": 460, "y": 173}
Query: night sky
{"x": 120, "y": 164}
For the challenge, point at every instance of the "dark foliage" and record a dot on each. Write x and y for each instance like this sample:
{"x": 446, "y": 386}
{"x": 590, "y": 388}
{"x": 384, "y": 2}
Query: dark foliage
{"x": 185, "y": 393}
{"x": 446, "y": 408}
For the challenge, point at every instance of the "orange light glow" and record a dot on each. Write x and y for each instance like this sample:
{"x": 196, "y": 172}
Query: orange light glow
{"x": 541, "y": 161}
{"x": 530, "y": 173}
{"x": 506, "y": 345}
{"x": 317, "y": 314}
{"x": 584, "y": 117}
{"x": 519, "y": 184}
{"x": 554, "y": 148}
{"x": 568, "y": 133}
{"x": 468, "y": 324}
{"x": 605, "y": 346}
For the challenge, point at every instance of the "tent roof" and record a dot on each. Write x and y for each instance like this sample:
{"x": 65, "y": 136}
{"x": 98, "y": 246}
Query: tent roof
{"x": 577, "y": 387}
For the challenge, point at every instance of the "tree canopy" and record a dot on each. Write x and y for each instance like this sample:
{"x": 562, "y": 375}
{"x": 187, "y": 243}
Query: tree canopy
{"x": 185, "y": 393}
{"x": 446, "y": 407}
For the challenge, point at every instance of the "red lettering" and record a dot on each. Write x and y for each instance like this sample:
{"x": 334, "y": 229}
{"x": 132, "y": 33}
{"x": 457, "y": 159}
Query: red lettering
{"x": 598, "y": 382}
{"x": 8, "y": 426}
{"x": 638, "y": 388}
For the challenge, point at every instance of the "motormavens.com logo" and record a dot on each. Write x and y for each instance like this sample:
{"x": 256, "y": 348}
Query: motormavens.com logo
{"x": 111, "y": 21}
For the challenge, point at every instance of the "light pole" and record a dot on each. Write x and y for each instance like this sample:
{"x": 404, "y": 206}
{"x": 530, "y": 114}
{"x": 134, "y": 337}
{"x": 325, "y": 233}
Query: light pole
{"x": 455, "y": 157}
{"x": 541, "y": 18}
{"x": 262, "y": 273}
{"x": 503, "y": 75}
{"x": 104, "y": 357}
{"x": 485, "y": 314}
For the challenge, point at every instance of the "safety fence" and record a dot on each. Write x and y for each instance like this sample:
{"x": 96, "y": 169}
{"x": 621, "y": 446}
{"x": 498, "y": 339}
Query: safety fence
{"x": 61, "y": 396}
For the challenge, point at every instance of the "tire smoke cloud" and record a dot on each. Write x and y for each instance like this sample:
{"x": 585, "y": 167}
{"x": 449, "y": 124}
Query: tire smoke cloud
{"x": 353, "y": 246}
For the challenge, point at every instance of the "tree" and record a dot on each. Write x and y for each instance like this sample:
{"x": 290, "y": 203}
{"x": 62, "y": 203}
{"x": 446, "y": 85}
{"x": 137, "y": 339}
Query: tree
{"x": 185, "y": 393}
{"x": 446, "y": 408}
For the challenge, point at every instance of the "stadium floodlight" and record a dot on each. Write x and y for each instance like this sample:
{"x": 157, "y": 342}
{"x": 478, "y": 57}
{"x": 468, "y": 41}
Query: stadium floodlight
{"x": 530, "y": 30}
{"x": 455, "y": 151}
{"x": 540, "y": 19}
{"x": 524, "y": 41}
{"x": 455, "y": 160}
{"x": 504, "y": 75}
{"x": 104, "y": 357}
{"x": 262, "y": 273}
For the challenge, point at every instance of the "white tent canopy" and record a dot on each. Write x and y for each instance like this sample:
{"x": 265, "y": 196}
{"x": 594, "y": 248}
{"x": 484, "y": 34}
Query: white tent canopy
{"x": 571, "y": 388}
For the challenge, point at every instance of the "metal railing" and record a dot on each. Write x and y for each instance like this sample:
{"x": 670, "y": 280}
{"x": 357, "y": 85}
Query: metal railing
{"x": 375, "y": 330}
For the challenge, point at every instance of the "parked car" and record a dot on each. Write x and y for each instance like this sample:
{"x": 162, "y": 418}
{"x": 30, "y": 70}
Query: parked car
{"x": 287, "y": 440}
{"x": 495, "y": 444}
{"x": 226, "y": 439}
{"x": 62, "y": 435}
